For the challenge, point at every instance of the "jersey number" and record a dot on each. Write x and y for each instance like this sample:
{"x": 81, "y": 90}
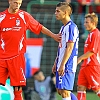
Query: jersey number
{"x": 60, "y": 80}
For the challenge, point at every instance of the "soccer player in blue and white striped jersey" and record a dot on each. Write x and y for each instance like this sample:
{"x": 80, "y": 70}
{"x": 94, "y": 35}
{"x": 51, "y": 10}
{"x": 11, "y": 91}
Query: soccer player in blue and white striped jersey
{"x": 66, "y": 61}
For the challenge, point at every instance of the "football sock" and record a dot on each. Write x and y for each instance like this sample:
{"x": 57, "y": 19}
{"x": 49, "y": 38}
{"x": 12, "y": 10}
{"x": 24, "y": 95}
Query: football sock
{"x": 68, "y": 98}
{"x": 81, "y": 95}
{"x": 73, "y": 96}
{"x": 18, "y": 95}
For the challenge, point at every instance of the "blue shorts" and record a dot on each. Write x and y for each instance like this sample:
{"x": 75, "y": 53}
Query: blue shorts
{"x": 65, "y": 82}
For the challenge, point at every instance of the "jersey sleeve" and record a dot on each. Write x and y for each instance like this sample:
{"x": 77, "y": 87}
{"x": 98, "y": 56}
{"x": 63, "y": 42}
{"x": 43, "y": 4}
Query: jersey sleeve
{"x": 94, "y": 43}
{"x": 73, "y": 33}
{"x": 33, "y": 24}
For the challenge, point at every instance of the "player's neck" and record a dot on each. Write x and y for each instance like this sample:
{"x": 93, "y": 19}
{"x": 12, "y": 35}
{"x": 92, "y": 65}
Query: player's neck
{"x": 66, "y": 20}
{"x": 11, "y": 11}
{"x": 92, "y": 29}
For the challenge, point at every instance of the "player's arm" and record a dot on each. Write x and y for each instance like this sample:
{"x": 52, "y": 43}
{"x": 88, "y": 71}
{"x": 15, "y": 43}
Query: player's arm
{"x": 54, "y": 67}
{"x": 84, "y": 56}
{"x": 36, "y": 27}
{"x": 93, "y": 47}
{"x": 56, "y": 37}
{"x": 67, "y": 54}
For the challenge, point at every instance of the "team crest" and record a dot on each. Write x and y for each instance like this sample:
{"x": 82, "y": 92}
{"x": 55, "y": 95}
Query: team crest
{"x": 17, "y": 22}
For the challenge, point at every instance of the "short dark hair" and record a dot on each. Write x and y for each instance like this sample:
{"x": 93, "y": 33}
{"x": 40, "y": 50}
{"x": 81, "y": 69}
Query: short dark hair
{"x": 65, "y": 5}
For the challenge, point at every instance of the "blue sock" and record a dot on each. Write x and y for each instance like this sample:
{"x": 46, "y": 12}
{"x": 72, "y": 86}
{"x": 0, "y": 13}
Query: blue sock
{"x": 73, "y": 97}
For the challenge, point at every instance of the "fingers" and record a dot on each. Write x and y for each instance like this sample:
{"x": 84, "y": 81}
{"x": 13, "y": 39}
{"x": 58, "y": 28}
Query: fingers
{"x": 79, "y": 61}
{"x": 61, "y": 73}
{"x": 53, "y": 71}
{"x": 58, "y": 37}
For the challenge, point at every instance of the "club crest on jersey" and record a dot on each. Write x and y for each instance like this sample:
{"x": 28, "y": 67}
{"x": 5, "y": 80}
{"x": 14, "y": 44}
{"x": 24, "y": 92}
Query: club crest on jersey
{"x": 17, "y": 22}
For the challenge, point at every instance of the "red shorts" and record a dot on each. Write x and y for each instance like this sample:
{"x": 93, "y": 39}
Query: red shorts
{"x": 13, "y": 68}
{"x": 89, "y": 77}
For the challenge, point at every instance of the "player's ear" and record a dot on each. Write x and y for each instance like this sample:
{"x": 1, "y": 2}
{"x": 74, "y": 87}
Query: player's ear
{"x": 66, "y": 12}
{"x": 9, "y": 1}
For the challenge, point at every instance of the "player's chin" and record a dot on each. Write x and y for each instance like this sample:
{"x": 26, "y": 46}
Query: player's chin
{"x": 16, "y": 9}
{"x": 57, "y": 18}
{"x": 87, "y": 29}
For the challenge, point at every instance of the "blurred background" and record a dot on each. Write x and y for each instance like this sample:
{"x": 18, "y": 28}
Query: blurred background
{"x": 43, "y": 11}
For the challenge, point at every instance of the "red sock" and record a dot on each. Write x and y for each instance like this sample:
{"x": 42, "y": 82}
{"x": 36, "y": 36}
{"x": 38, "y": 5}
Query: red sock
{"x": 18, "y": 95}
{"x": 81, "y": 95}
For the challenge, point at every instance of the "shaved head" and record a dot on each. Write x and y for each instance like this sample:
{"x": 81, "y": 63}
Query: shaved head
{"x": 14, "y": 5}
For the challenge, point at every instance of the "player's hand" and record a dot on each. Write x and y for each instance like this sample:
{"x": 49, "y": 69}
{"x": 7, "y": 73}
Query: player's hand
{"x": 54, "y": 69}
{"x": 54, "y": 80}
{"x": 57, "y": 37}
{"x": 61, "y": 71}
{"x": 79, "y": 60}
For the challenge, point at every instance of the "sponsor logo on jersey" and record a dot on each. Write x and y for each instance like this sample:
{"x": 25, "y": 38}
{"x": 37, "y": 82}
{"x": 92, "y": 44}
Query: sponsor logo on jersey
{"x": 12, "y": 17}
{"x": 11, "y": 29}
{"x": 17, "y": 22}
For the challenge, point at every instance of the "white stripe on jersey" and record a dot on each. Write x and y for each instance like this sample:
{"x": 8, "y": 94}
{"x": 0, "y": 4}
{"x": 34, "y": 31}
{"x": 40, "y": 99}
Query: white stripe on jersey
{"x": 21, "y": 14}
{"x": 69, "y": 33}
{"x": 2, "y": 17}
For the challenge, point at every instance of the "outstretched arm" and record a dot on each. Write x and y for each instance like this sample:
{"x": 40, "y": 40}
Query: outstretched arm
{"x": 56, "y": 37}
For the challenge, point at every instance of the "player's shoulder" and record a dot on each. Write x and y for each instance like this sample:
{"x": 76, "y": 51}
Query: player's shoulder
{"x": 3, "y": 13}
{"x": 72, "y": 24}
{"x": 23, "y": 12}
{"x": 95, "y": 31}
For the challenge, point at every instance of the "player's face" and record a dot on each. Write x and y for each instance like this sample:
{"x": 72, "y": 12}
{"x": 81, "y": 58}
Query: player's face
{"x": 60, "y": 15}
{"x": 88, "y": 24}
{"x": 14, "y": 5}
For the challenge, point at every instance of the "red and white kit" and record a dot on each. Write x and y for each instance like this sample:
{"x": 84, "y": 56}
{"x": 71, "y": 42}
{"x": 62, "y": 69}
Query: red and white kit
{"x": 13, "y": 44}
{"x": 89, "y": 74}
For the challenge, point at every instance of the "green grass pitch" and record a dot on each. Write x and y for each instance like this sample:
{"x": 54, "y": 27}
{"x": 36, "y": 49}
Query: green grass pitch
{"x": 90, "y": 96}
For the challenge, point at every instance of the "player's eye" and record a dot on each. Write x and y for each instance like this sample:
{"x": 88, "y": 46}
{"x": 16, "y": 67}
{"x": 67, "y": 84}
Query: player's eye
{"x": 57, "y": 11}
{"x": 17, "y": 3}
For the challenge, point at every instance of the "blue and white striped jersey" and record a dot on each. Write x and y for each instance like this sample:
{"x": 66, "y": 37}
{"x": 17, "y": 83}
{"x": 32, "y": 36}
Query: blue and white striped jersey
{"x": 70, "y": 33}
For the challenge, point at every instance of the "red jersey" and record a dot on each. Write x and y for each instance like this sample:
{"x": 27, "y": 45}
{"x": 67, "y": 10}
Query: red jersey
{"x": 13, "y": 32}
{"x": 92, "y": 44}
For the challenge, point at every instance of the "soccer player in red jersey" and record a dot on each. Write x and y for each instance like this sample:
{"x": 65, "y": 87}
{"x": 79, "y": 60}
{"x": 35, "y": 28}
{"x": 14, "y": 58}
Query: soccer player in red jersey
{"x": 13, "y": 25}
{"x": 89, "y": 75}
